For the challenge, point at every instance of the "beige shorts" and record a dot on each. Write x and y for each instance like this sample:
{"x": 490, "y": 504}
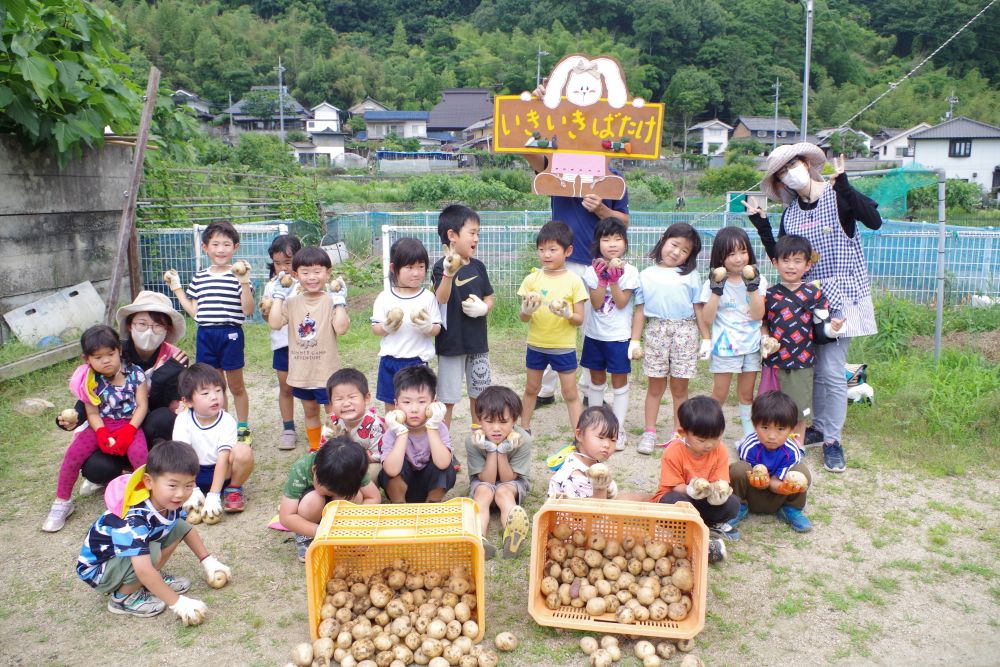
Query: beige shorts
{"x": 671, "y": 348}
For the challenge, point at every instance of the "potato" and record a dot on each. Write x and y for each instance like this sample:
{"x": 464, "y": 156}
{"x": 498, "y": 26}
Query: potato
{"x": 549, "y": 585}
{"x": 505, "y": 641}
{"x": 380, "y": 595}
{"x": 402, "y": 653}
{"x": 588, "y": 645}
{"x": 363, "y": 649}
{"x": 558, "y": 553}
{"x": 645, "y": 595}
{"x": 685, "y": 645}
{"x": 625, "y": 615}
{"x": 603, "y": 587}
{"x": 601, "y": 658}
{"x": 383, "y": 658}
{"x": 432, "y": 648}
{"x": 597, "y": 542}
{"x": 593, "y": 558}
{"x": 382, "y": 641}
{"x": 612, "y": 548}
{"x": 323, "y": 647}
{"x": 797, "y": 478}
{"x": 328, "y": 628}
{"x": 629, "y": 543}
{"x": 665, "y": 650}
{"x": 656, "y": 550}
{"x": 643, "y": 648}
{"x": 454, "y": 630}
{"x": 488, "y": 659}
{"x": 452, "y": 654}
{"x": 651, "y": 661}
{"x": 302, "y": 655}
{"x": 561, "y": 531}
{"x": 468, "y": 661}
{"x": 459, "y": 586}
{"x": 470, "y": 629}
{"x": 194, "y": 517}
{"x": 436, "y": 629}
{"x": 658, "y": 610}
{"x": 396, "y": 580}
{"x": 344, "y": 639}
{"x": 641, "y": 614}
{"x": 552, "y": 601}
{"x": 677, "y": 611}
{"x": 418, "y": 658}
{"x": 438, "y": 662}
{"x": 683, "y": 578}
{"x": 614, "y": 651}
{"x": 211, "y": 519}
{"x": 348, "y": 661}
{"x": 597, "y": 606}
{"x": 579, "y": 538}
{"x": 413, "y": 640}
{"x": 692, "y": 661}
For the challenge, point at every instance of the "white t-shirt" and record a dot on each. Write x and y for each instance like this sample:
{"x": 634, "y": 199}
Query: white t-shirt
{"x": 610, "y": 323}
{"x": 209, "y": 440}
{"x": 667, "y": 295}
{"x": 279, "y": 337}
{"x": 733, "y": 332}
{"x": 407, "y": 341}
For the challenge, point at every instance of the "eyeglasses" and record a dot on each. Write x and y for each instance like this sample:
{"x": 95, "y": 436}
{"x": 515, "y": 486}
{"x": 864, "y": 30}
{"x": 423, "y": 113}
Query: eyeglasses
{"x": 145, "y": 326}
{"x": 791, "y": 164}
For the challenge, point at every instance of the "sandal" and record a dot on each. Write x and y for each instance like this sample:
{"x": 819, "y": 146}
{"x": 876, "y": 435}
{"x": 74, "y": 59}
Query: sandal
{"x": 516, "y": 531}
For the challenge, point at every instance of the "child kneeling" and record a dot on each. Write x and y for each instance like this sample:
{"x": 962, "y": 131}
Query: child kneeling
{"x": 127, "y": 547}
{"x": 770, "y": 476}
{"x": 499, "y": 458}
{"x": 336, "y": 471}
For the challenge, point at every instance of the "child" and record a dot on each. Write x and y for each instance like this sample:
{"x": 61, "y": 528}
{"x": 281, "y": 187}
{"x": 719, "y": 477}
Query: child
{"x": 219, "y": 298}
{"x": 316, "y": 318}
{"x": 127, "y": 548}
{"x": 406, "y": 317}
{"x": 498, "y": 455}
{"x": 417, "y": 464}
{"x": 774, "y": 415}
{"x": 607, "y": 325}
{"x": 465, "y": 293}
{"x": 282, "y": 249}
{"x": 552, "y": 329}
{"x": 734, "y": 308}
{"x": 791, "y": 309}
{"x": 596, "y": 435}
{"x": 353, "y": 414}
{"x": 669, "y": 299}
{"x": 225, "y": 462}
{"x": 115, "y": 398}
{"x": 695, "y": 469}
{"x": 337, "y": 471}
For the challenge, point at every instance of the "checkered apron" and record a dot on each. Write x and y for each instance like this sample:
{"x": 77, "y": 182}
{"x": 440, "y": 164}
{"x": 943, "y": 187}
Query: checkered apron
{"x": 841, "y": 269}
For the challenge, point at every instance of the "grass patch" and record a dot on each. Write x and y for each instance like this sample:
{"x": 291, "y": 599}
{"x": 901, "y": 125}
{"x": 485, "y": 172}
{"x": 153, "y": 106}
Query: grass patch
{"x": 795, "y": 603}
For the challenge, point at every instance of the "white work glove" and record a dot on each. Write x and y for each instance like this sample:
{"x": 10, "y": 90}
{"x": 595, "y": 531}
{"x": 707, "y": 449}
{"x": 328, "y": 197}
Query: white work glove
{"x": 530, "y": 302}
{"x": 241, "y": 269}
{"x": 634, "y": 349}
{"x": 213, "y": 504}
{"x": 474, "y": 306}
{"x": 451, "y": 264}
{"x": 172, "y": 280}
{"x": 421, "y": 319}
{"x": 705, "y": 350}
{"x": 698, "y": 488}
{"x": 194, "y": 501}
{"x": 612, "y": 490}
{"x": 832, "y": 333}
{"x": 561, "y": 307}
{"x": 509, "y": 445}
{"x": 769, "y": 346}
{"x": 189, "y": 610}
{"x": 338, "y": 292}
{"x": 479, "y": 438}
{"x": 719, "y": 492}
{"x": 393, "y": 320}
{"x": 279, "y": 292}
{"x": 435, "y": 415}
{"x": 213, "y": 566}
{"x": 395, "y": 421}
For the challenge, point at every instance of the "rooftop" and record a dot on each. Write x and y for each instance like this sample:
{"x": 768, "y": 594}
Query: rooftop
{"x": 459, "y": 108}
{"x": 385, "y": 116}
{"x": 959, "y": 128}
{"x": 767, "y": 123}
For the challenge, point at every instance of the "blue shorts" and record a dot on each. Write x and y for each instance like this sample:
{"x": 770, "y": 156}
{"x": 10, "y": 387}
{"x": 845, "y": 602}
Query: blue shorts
{"x": 279, "y": 359}
{"x": 319, "y": 395}
{"x": 603, "y": 355}
{"x": 561, "y": 363}
{"x": 387, "y": 369}
{"x": 220, "y": 347}
{"x": 421, "y": 482}
{"x": 205, "y": 476}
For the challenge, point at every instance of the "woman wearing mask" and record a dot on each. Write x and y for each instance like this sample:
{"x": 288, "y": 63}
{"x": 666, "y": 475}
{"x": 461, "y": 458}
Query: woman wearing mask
{"x": 149, "y": 327}
{"x": 827, "y": 215}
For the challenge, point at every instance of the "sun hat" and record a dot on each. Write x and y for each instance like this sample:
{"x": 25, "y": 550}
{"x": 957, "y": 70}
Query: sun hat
{"x": 152, "y": 302}
{"x": 126, "y": 491}
{"x": 772, "y": 186}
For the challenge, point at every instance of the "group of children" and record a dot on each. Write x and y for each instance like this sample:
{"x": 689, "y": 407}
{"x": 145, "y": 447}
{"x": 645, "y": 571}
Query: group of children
{"x": 408, "y": 452}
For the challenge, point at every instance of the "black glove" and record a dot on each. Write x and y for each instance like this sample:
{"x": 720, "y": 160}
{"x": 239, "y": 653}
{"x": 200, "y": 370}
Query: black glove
{"x": 717, "y": 280}
{"x": 752, "y": 283}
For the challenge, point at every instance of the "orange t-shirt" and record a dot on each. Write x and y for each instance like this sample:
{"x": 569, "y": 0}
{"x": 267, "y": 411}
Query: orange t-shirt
{"x": 680, "y": 466}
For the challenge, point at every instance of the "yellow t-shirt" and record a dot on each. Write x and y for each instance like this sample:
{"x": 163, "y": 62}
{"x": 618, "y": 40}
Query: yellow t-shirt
{"x": 547, "y": 330}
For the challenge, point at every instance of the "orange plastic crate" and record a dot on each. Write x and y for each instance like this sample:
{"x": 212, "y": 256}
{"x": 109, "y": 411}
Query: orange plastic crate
{"x": 366, "y": 538}
{"x": 679, "y": 523}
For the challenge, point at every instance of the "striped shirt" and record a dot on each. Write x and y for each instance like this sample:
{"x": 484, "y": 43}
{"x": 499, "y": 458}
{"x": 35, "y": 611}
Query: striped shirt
{"x": 218, "y": 297}
{"x": 778, "y": 461}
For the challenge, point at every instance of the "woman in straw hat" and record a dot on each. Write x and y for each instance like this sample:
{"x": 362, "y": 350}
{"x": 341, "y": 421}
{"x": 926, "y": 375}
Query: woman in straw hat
{"x": 827, "y": 215}
{"x": 150, "y": 327}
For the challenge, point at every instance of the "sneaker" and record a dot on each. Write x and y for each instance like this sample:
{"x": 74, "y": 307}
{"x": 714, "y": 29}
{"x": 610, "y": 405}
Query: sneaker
{"x": 795, "y": 518}
{"x": 716, "y": 550}
{"x": 179, "y": 585}
{"x": 542, "y": 401}
{"x": 244, "y": 436}
{"x": 725, "y": 530}
{"x": 833, "y": 457}
{"x": 302, "y": 543}
{"x": 741, "y": 514}
{"x": 489, "y": 549}
{"x": 286, "y": 440}
{"x": 88, "y": 488}
{"x": 60, "y": 511}
{"x": 622, "y": 440}
{"x": 813, "y": 436}
{"x": 515, "y": 532}
{"x": 141, "y": 603}
{"x": 233, "y": 500}
{"x": 646, "y": 443}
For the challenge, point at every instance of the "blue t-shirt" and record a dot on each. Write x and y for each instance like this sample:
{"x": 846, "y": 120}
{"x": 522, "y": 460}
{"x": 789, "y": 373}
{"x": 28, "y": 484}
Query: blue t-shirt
{"x": 778, "y": 461}
{"x": 112, "y": 536}
{"x": 582, "y": 222}
{"x": 666, "y": 294}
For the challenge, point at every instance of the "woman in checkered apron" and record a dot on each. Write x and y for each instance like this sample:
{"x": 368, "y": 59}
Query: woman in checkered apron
{"x": 827, "y": 215}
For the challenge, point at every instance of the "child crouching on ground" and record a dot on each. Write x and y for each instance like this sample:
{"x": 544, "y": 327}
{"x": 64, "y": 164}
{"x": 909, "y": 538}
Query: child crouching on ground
{"x": 336, "y": 471}
{"x": 127, "y": 547}
{"x": 695, "y": 469}
{"x": 353, "y": 414}
{"x": 498, "y": 455}
{"x": 780, "y": 485}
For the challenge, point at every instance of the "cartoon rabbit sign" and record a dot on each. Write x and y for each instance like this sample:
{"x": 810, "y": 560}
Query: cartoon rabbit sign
{"x": 582, "y": 117}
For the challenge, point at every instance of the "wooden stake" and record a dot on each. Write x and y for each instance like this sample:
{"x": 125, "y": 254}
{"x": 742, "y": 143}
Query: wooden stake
{"x": 125, "y": 229}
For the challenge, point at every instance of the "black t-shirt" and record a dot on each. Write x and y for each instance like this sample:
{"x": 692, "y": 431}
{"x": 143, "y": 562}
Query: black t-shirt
{"x": 463, "y": 334}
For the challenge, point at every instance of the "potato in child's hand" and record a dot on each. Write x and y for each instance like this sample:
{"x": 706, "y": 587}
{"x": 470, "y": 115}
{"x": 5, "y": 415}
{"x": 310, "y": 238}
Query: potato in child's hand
{"x": 719, "y": 492}
{"x": 452, "y": 263}
{"x": 530, "y": 302}
{"x": 68, "y": 418}
{"x": 561, "y": 307}
{"x": 338, "y": 284}
{"x": 265, "y": 306}
{"x": 759, "y": 476}
{"x": 718, "y": 274}
{"x": 241, "y": 268}
{"x": 393, "y": 320}
{"x": 768, "y": 346}
{"x": 794, "y": 482}
{"x": 616, "y": 263}
{"x": 286, "y": 280}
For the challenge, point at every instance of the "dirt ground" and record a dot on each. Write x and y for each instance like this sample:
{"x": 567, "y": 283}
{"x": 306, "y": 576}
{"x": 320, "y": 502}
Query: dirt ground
{"x": 899, "y": 570}
{"x": 986, "y": 343}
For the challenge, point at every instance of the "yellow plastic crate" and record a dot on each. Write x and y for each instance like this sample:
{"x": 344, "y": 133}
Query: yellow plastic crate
{"x": 366, "y": 538}
{"x": 679, "y": 523}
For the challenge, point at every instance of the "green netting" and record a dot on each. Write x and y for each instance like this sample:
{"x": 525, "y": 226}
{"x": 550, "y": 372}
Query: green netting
{"x": 890, "y": 190}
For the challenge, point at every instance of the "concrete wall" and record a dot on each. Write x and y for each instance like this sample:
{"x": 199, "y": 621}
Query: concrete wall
{"x": 978, "y": 167}
{"x": 58, "y": 227}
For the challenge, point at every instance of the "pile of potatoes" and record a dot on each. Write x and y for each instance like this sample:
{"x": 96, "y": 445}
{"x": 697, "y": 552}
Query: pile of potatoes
{"x": 399, "y": 616}
{"x": 633, "y": 580}
{"x": 607, "y": 652}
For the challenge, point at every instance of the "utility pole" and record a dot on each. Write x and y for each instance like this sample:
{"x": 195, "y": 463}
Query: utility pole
{"x": 805, "y": 74}
{"x": 281, "y": 102}
{"x": 230, "y": 114}
{"x": 777, "y": 90}
{"x": 538, "y": 65}
{"x": 952, "y": 101}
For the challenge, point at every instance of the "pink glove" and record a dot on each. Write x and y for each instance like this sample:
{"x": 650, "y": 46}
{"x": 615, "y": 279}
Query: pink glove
{"x": 601, "y": 269}
{"x": 615, "y": 273}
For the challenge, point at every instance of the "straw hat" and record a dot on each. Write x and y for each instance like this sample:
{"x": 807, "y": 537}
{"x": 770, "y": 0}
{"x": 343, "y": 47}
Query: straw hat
{"x": 772, "y": 186}
{"x": 153, "y": 302}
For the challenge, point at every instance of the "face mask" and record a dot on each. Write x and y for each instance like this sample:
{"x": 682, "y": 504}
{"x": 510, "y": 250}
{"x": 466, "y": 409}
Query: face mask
{"x": 796, "y": 177}
{"x": 148, "y": 339}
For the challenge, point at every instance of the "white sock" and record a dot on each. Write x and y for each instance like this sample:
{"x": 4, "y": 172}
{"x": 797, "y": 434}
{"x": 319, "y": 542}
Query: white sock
{"x": 595, "y": 394}
{"x": 619, "y": 405}
{"x": 745, "y": 419}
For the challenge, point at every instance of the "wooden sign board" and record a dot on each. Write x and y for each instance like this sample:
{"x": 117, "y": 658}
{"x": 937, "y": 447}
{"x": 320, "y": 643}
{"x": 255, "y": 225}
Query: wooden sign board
{"x": 583, "y": 118}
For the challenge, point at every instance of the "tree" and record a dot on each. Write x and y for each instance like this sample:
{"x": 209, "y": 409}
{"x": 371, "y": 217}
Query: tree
{"x": 732, "y": 177}
{"x": 690, "y": 91}
{"x": 264, "y": 153}
{"x": 263, "y": 104}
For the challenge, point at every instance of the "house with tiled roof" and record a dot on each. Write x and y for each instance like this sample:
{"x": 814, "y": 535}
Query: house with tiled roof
{"x": 766, "y": 128}
{"x": 326, "y": 137}
{"x": 366, "y": 105}
{"x": 966, "y": 149}
{"x": 404, "y": 124}
{"x": 895, "y": 143}
{"x": 459, "y": 108}
{"x": 827, "y": 140}
{"x": 295, "y": 114}
{"x": 710, "y": 137}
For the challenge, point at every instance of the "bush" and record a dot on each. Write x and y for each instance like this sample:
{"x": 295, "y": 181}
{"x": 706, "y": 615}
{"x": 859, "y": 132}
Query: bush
{"x": 958, "y": 194}
{"x": 265, "y": 154}
{"x": 436, "y": 188}
{"x": 515, "y": 179}
{"x": 732, "y": 177}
